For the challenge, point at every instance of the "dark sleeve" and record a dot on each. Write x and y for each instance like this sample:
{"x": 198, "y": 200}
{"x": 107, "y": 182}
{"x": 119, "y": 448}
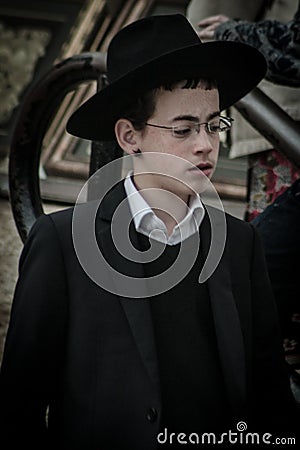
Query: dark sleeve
{"x": 278, "y": 42}
{"x": 35, "y": 340}
{"x": 243, "y": 31}
{"x": 272, "y": 404}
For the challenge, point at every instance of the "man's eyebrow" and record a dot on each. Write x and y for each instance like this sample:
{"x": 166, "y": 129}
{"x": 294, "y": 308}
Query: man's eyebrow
{"x": 214, "y": 114}
{"x": 195, "y": 119}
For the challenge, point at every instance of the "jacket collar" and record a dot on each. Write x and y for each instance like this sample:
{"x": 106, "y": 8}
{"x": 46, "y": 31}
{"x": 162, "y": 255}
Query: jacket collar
{"x": 137, "y": 311}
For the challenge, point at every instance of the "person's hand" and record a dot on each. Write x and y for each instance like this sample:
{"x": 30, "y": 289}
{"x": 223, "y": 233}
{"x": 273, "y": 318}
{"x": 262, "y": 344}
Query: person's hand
{"x": 209, "y": 25}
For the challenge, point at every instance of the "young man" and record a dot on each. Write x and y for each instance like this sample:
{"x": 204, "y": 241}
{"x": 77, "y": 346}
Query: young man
{"x": 118, "y": 357}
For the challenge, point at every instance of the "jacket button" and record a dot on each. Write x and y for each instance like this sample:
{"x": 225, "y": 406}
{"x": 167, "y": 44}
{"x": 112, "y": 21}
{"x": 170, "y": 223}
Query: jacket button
{"x": 151, "y": 414}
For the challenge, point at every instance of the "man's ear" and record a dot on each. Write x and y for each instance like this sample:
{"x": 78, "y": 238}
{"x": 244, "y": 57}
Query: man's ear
{"x": 126, "y": 136}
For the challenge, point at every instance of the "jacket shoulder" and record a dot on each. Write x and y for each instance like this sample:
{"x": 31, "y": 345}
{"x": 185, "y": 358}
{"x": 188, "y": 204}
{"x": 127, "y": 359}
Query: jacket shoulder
{"x": 233, "y": 223}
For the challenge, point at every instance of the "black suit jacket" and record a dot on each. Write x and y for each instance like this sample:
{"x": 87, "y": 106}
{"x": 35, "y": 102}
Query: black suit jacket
{"x": 88, "y": 357}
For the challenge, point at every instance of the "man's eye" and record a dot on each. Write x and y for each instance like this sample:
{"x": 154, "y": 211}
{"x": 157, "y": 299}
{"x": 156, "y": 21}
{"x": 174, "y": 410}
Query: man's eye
{"x": 214, "y": 127}
{"x": 182, "y": 131}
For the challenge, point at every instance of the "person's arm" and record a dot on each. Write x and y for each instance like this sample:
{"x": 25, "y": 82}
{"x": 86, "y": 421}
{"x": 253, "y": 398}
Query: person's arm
{"x": 223, "y": 28}
{"x": 199, "y": 9}
{"x": 279, "y": 42}
{"x": 34, "y": 346}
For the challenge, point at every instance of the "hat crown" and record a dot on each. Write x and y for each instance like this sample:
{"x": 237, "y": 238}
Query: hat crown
{"x": 146, "y": 40}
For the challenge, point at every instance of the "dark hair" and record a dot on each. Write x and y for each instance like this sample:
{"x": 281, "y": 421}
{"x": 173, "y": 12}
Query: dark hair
{"x": 140, "y": 110}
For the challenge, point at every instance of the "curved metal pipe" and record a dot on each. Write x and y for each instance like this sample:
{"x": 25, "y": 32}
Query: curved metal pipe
{"x": 35, "y": 115}
{"x": 272, "y": 122}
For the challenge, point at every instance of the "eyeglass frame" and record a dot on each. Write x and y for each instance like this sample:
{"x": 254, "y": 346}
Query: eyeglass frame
{"x": 195, "y": 126}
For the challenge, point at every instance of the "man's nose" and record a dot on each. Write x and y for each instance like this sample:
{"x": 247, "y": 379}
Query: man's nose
{"x": 204, "y": 142}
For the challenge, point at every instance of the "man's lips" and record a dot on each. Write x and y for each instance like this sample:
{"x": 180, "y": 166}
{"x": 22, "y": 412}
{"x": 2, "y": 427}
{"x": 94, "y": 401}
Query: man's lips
{"x": 205, "y": 167}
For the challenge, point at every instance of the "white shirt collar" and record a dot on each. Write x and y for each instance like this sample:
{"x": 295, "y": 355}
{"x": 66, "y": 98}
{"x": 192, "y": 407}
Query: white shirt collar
{"x": 147, "y": 222}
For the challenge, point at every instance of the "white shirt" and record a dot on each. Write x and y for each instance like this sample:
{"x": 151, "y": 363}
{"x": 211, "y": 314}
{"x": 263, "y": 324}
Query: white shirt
{"x": 147, "y": 222}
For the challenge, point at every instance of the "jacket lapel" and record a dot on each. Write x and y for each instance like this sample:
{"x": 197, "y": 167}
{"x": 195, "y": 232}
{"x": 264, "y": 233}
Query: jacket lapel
{"x": 227, "y": 322}
{"x": 137, "y": 310}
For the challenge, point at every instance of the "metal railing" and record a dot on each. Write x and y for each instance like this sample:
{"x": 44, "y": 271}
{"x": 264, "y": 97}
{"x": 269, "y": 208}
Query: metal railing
{"x": 272, "y": 122}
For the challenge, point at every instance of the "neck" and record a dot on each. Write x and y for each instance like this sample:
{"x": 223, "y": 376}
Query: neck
{"x": 169, "y": 207}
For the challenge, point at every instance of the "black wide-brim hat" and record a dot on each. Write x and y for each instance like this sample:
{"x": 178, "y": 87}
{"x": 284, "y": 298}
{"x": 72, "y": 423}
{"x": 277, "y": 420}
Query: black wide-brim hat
{"x": 157, "y": 50}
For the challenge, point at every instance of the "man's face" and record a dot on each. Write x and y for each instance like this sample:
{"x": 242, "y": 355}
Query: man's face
{"x": 180, "y": 108}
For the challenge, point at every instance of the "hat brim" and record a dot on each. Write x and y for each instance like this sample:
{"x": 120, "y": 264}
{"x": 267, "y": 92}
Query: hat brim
{"x": 236, "y": 67}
